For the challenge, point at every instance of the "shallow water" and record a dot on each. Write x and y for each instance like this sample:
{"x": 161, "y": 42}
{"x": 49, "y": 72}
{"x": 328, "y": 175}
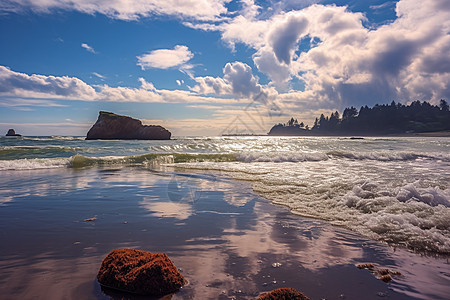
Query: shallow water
{"x": 394, "y": 190}
{"x": 228, "y": 242}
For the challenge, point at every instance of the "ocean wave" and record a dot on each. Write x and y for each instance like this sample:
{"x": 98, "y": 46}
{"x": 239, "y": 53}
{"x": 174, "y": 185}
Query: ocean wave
{"x": 387, "y": 156}
{"x": 280, "y": 157}
{"x": 81, "y": 161}
{"x": 410, "y": 215}
{"x": 31, "y": 152}
{"x": 34, "y": 163}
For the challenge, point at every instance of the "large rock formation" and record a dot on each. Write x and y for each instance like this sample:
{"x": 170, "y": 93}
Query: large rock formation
{"x": 110, "y": 126}
{"x": 12, "y": 132}
{"x": 140, "y": 272}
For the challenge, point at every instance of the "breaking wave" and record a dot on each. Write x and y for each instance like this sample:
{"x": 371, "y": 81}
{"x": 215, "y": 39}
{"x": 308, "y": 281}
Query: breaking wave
{"x": 80, "y": 161}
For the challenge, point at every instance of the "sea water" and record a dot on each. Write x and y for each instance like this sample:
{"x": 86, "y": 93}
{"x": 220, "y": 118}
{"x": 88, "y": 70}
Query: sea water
{"x": 395, "y": 190}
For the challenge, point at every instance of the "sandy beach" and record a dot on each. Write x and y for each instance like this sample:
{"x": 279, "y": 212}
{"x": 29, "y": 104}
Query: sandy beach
{"x": 57, "y": 226}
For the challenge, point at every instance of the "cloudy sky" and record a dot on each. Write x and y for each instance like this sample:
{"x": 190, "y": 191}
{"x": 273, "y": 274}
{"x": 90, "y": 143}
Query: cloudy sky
{"x": 206, "y": 67}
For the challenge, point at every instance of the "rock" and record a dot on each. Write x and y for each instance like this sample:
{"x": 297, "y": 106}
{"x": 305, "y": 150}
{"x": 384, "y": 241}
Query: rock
{"x": 110, "y": 126}
{"x": 367, "y": 266}
{"x": 283, "y": 294}
{"x": 381, "y": 273}
{"x": 12, "y": 132}
{"x": 385, "y": 278}
{"x": 140, "y": 272}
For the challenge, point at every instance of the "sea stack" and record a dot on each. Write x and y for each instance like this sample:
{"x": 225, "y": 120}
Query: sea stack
{"x": 12, "y": 132}
{"x": 110, "y": 126}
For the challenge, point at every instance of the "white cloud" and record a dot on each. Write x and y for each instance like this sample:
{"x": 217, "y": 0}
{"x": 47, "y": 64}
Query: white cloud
{"x": 166, "y": 58}
{"x": 244, "y": 30}
{"x": 383, "y": 5}
{"x": 20, "y": 89}
{"x": 147, "y": 85}
{"x": 126, "y": 9}
{"x": 238, "y": 80}
{"x": 88, "y": 48}
{"x": 285, "y": 34}
{"x": 341, "y": 62}
{"x": 15, "y": 102}
{"x": 212, "y": 85}
{"x": 98, "y": 75}
{"x": 240, "y": 76}
{"x": 41, "y": 86}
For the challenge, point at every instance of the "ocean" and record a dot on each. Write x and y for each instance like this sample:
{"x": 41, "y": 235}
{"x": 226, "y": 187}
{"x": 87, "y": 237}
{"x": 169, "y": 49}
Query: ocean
{"x": 392, "y": 193}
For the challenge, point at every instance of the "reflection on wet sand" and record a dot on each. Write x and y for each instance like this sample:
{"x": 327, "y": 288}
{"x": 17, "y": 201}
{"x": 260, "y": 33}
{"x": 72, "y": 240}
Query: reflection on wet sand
{"x": 228, "y": 243}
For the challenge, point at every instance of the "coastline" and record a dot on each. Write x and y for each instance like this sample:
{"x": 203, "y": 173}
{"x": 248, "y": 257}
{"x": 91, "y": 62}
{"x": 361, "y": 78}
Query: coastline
{"x": 412, "y": 134}
{"x": 228, "y": 242}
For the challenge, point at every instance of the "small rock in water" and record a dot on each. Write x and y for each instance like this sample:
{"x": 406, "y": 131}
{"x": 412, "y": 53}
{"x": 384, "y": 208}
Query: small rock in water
{"x": 276, "y": 265}
{"x": 383, "y": 274}
{"x": 140, "y": 272}
{"x": 368, "y": 266}
{"x": 12, "y": 132}
{"x": 283, "y": 293}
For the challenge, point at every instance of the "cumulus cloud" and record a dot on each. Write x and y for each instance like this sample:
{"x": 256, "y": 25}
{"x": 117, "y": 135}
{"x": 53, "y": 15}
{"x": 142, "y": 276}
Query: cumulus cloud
{"x": 166, "y": 58}
{"x": 241, "y": 79}
{"x": 88, "y": 48}
{"x": 146, "y": 85}
{"x": 342, "y": 62}
{"x": 238, "y": 80}
{"x": 285, "y": 34}
{"x": 20, "y": 89}
{"x": 126, "y": 9}
{"x": 41, "y": 86}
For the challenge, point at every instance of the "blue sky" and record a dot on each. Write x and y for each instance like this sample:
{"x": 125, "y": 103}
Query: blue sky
{"x": 204, "y": 67}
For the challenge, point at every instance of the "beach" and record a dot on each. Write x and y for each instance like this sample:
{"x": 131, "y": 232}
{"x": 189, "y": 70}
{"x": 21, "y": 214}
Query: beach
{"x": 221, "y": 226}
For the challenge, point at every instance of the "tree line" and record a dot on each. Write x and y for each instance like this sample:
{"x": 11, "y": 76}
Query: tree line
{"x": 394, "y": 118}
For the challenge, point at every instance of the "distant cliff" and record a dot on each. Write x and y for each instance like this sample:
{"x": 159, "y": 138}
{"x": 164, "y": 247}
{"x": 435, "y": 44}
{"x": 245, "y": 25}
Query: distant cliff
{"x": 110, "y": 126}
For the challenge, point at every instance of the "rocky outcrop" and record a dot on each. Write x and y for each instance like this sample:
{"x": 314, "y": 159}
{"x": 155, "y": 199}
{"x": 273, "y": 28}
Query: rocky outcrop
{"x": 282, "y": 130}
{"x": 12, "y": 132}
{"x": 140, "y": 272}
{"x": 283, "y": 294}
{"x": 110, "y": 126}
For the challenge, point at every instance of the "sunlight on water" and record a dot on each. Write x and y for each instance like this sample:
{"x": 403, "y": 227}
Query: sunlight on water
{"x": 394, "y": 190}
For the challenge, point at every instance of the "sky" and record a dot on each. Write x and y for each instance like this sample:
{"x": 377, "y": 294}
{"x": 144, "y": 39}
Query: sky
{"x": 208, "y": 67}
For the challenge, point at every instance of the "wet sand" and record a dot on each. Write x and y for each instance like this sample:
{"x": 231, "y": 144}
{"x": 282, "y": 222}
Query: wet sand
{"x": 56, "y": 226}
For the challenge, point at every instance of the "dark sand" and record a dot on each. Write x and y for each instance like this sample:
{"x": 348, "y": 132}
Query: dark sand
{"x": 228, "y": 242}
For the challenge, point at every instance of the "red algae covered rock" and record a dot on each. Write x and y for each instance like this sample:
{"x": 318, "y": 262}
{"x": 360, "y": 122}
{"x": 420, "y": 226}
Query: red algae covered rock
{"x": 140, "y": 272}
{"x": 283, "y": 294}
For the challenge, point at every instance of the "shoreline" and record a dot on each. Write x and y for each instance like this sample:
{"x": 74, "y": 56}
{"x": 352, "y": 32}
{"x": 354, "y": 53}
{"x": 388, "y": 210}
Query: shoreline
{"x": 228, "y": 242}
{"x": 412, "y": 134}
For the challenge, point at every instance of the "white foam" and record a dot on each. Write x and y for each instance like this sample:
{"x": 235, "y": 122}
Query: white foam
{"x": 35, "y": 163}
{"x": 379, "y": 156}
{"x": 393, "y": 206}
{"x": 281, "y": 157}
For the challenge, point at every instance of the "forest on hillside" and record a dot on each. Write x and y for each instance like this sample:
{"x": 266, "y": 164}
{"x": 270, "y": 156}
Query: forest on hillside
{"x": 394, "y": 118}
